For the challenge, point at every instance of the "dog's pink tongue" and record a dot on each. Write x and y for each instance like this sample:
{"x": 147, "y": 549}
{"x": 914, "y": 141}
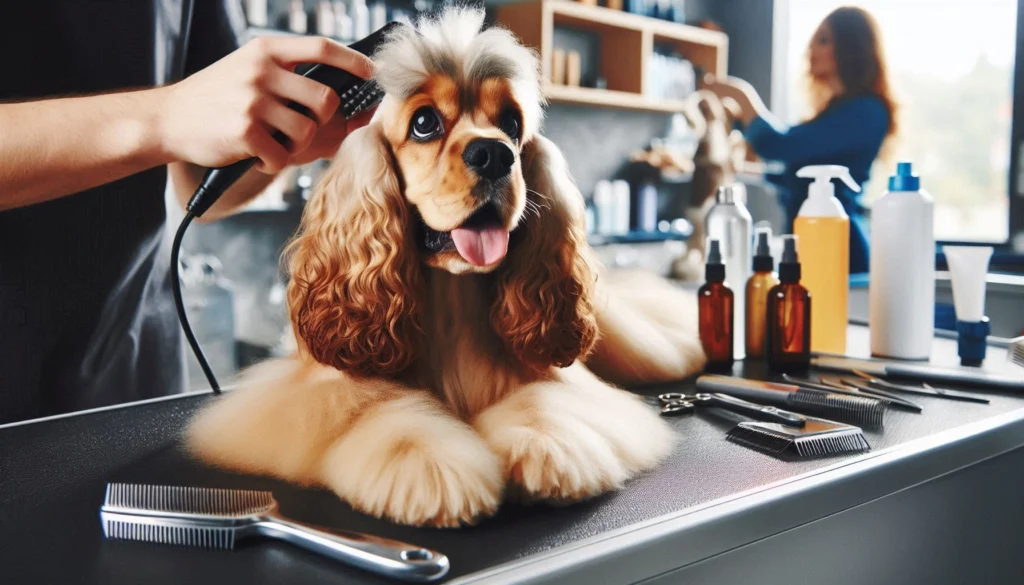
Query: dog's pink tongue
{"x": 481, "y": 246}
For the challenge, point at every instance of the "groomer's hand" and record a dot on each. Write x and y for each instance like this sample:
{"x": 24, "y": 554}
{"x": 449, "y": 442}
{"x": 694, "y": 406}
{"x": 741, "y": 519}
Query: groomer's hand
{"x": 228, "y": 111}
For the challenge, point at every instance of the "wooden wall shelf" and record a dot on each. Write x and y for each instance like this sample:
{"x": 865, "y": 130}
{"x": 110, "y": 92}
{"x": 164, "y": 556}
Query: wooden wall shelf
{"x": 609, "y": 98}
{"x": 627, "y": 43}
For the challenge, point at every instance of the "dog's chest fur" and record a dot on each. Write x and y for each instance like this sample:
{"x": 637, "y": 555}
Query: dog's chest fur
{"x": 464, "y": 361}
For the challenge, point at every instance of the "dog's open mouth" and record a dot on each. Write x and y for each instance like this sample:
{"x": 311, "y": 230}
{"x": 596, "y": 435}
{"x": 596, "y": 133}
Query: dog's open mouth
{"x": 480, "y": 240}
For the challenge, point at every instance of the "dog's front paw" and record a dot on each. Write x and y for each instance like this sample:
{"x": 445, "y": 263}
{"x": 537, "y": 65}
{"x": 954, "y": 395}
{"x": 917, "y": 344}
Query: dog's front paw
{"x": 412, "y": 463}
{"x": 564, "y": 443}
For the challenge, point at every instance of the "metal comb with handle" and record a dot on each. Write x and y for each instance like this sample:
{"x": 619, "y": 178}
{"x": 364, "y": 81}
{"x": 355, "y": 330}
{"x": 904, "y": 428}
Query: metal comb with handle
{"x": 218, "y": 518}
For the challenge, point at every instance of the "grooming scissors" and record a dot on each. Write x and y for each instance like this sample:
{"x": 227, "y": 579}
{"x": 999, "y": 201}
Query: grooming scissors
{"x": 677, "y": 403}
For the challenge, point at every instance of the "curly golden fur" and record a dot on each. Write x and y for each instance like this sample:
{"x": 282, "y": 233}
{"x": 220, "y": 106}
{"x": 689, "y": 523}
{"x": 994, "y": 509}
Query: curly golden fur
{"x": 429, "y": 381}
{"x": 544, "y": 310}
{"x": 353, "y": 294}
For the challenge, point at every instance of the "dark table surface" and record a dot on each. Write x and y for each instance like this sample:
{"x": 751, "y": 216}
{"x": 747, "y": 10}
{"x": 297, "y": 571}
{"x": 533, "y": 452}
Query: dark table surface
{"x": 53, "y": 473}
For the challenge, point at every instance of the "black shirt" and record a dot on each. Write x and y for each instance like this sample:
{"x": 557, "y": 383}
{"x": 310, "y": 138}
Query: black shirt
{"x": 86, "y": 313}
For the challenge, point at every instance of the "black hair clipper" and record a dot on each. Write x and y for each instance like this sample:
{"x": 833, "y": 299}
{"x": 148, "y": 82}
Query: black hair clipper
{"x": 356, "y": 95}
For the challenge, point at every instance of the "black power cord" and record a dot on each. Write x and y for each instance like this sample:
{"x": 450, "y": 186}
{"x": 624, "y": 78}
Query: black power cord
{"x": 180, "y": 305}
{"x": 178, "y": 68}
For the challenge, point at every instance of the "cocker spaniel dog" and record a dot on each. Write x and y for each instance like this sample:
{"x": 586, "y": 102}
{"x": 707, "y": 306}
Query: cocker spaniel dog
{"x": 455, "y": 340}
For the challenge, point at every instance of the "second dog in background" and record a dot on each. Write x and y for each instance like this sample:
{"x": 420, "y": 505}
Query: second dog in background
{"x": 721, "y": 152}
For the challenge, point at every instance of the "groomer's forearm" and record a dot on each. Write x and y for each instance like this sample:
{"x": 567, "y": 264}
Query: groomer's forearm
{"x": 185, "y": 177}
{"x": 56, "y": 147}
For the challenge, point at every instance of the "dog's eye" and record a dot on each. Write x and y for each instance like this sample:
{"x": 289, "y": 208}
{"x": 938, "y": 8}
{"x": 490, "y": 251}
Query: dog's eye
{"x": 509, "y": 123}
{"x": 425, "y": 124}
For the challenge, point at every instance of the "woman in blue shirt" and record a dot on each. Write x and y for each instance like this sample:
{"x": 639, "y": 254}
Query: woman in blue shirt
{"x": 854, "y": 116}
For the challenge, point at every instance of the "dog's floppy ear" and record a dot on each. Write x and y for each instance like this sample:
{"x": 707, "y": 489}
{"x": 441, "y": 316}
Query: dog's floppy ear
{"x": 544, "y": 308}
{"x": 354, "y": 295}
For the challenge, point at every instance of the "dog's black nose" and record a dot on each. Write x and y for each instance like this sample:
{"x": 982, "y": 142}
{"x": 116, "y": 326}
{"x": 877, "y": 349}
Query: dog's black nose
{"x": 490, "y": 159}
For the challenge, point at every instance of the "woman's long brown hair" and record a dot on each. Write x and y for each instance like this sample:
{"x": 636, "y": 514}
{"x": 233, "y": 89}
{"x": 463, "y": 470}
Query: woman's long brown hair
{"x": 860, "y": 63}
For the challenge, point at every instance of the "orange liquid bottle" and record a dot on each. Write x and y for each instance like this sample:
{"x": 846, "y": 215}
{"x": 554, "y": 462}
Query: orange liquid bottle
{"x": 824, "y": 232}
{"x": 716, "y": 306}
{"x": 789, "y": 332}
{"x": 825, "y": 255}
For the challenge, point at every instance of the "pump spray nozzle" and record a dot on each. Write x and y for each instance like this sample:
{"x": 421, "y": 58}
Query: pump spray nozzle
{"x": 763, "y": 261}
{"x": 789, "y": 267}
{"x": 823, "y": 175}
{"x": 714, "y": 270}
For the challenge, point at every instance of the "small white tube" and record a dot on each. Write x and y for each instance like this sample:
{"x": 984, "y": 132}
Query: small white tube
{"x": 968, "y": 266}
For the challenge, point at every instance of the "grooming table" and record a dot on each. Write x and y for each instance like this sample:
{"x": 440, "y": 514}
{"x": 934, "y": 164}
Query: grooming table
{"x": 939, "y": 499}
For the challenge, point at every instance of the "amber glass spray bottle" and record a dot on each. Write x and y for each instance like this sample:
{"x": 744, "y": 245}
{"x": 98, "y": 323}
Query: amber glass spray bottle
{"x": 715, "y": 302}
{"x": 760, "y": 283}
{"x": 789, "y": 316}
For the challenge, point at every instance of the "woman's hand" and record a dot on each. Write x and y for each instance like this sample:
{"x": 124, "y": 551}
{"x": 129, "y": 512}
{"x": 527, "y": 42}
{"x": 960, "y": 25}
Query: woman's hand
{"x": 229, "y": 111}
{"x": 737, "y": 90}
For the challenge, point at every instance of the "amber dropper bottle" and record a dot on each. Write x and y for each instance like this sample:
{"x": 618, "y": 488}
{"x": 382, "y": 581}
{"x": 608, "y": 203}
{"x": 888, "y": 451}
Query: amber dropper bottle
{"x": 762, "y": 281}
{"x": 788, "y": 332}
{"x": 715, "y": 303}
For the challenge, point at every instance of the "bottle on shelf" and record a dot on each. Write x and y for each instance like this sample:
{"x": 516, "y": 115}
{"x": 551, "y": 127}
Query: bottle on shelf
{"x": 621, "y": 194}
{"x": 716, "y": 312}
{"x": 788, "y": 333}
{"x": 573, "y": 68}
{"x": 591, "y": 217}
{"x": 824, "y": 232}
{"x": 604, "y": 203}
{"x": 730, "y": 223}
{"x": 762, "y": 281}
{"x": 360, "y": 19}
{"x": 342, "y": 22}
{"x": 298, "y": 20}
{"x": 378, "y": 16}
{"x": 558, "y": 66}
{"x": 646, "y": 208}
{"x": 901, "y": 290}
{"x": 256, "y": 13}
{"x": 326, "y": 23}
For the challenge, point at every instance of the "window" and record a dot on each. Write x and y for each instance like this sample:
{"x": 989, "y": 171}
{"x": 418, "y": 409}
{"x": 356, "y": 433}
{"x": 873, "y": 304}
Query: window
{"x": 951, "y": 63}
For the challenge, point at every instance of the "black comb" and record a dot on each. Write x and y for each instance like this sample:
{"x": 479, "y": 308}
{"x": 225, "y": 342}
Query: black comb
{"x": 859, "y": 410}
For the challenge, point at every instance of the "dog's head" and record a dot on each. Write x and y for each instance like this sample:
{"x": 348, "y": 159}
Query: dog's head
{"x": 462, "y": 104}
{"x": 450, "y": 175}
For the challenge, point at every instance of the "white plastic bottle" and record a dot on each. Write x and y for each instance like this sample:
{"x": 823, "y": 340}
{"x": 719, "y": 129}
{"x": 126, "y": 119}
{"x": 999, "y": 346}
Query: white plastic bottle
{"x": 256, "y": 13}
{"x": 378, "y": 16}
{"x": 360, "y": 19}
{"x": 729, "y": 222}
{"x": 604, "y": 202}
{"x": 621, "y": 193}
{"x": 325, "y": 20}
{"x": 342, "y": 22}
{"x": 298, "y": 21}
{"x": 902, "y": 280}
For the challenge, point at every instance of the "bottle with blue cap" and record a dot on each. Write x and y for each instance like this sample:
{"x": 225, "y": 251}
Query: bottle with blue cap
{"x": 902, "y": 279}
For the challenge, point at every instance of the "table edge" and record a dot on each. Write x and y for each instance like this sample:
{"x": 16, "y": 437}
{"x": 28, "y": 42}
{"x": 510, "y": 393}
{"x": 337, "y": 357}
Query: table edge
{"x": 672, "y": 541}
